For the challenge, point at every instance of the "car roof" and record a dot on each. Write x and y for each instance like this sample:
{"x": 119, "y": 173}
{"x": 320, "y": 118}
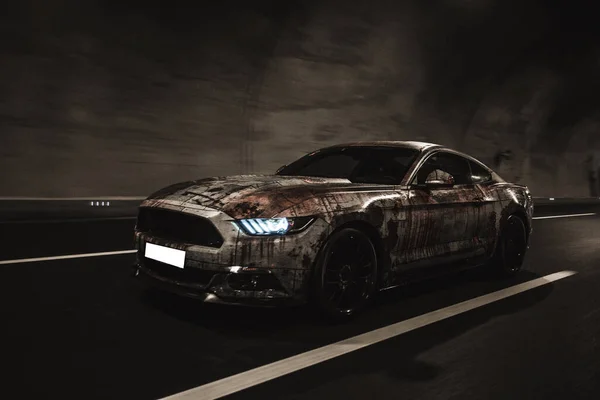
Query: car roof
{"x": 411, "y": 144}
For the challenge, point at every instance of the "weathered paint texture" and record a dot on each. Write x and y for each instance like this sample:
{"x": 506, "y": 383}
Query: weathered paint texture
{"x": 414, "y": 227}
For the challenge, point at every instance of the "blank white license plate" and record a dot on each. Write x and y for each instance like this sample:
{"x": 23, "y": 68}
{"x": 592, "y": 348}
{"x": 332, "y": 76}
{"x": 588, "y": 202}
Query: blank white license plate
{"x": 165, "y": 254}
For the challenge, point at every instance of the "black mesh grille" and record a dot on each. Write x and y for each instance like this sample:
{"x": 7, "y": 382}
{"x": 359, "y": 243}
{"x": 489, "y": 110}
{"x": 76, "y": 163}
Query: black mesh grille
{"x": 178, "y": 227}
{"x": 193, "y": 276}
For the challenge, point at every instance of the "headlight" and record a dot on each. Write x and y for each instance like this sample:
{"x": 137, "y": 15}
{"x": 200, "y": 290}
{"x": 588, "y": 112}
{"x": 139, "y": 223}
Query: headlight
{"x": 273, "y": 226}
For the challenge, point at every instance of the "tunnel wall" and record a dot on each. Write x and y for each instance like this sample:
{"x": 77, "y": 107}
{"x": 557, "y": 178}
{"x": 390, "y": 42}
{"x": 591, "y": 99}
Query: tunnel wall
{"x": 103, "y": 98}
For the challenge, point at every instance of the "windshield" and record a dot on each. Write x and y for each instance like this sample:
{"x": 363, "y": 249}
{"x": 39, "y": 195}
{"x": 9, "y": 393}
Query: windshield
{"x": 382, "y": 165}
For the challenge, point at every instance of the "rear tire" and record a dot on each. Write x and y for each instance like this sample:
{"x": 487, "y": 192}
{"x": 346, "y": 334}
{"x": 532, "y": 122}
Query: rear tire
{"x": 511, "y": 247}
{"x": 345, "y": 275}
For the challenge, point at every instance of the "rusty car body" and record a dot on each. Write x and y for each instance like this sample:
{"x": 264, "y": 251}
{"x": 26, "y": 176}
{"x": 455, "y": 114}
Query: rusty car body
{"x": 410, "y": 209}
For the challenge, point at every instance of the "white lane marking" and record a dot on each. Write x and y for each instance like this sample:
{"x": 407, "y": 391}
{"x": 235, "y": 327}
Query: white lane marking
{"x": 565, "y": 216}
{"x": 253, "y": 377}
{"x": 97, "y": 198}
{"x": 29, "y": 260}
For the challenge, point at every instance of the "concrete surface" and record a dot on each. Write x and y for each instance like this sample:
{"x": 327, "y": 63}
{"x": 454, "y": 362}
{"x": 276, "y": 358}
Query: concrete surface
{"x": 122, "y": 98}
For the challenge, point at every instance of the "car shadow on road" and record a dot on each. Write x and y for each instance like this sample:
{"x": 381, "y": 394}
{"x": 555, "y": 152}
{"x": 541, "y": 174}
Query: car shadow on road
{"x": 301, "y": 325}
{"x": 377, "y": 369}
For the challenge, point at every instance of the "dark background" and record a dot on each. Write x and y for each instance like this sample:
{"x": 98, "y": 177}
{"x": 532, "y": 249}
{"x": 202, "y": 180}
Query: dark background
{"x": 123, "y": 97}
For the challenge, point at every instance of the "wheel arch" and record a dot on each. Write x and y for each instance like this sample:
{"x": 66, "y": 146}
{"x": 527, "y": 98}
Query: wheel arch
{"x": 518, "y": 211}
{"x": 373, "y": 234}
{"x": 523, "y": 216}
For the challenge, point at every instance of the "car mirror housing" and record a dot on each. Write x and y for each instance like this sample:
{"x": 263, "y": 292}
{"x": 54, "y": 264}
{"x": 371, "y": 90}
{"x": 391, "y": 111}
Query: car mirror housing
{"x": 438, "y": 183}
{"x": 433, "y": 184}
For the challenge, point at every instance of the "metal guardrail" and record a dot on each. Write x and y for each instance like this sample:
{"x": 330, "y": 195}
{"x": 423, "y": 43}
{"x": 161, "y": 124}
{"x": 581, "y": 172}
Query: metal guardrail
{"x": 24, "y": 208}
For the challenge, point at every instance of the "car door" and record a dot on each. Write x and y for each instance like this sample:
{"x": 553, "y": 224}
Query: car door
{"x": 443, "y": 215}
{"x": 386, "y": 203}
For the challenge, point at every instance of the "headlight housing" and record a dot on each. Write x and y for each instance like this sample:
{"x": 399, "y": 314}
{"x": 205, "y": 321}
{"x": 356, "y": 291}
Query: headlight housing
{"x": 273, "y": 226}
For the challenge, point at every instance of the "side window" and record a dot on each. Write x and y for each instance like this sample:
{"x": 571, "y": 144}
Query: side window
{"x": 447, "y": 167}
{"x": 479, "y": 174}
{"x": 383, "y": 167}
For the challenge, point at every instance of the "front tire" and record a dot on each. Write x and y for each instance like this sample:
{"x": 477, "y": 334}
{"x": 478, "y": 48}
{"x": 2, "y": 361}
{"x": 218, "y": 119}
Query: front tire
{"x": 510, "y": 250}
{"x": 345, "y": 275}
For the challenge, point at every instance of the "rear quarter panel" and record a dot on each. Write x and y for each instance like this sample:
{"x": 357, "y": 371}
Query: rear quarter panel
{"x": 514, "y": 199}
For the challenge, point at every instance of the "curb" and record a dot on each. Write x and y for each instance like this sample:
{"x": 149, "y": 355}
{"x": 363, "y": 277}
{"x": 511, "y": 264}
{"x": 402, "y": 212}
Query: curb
{"x": 46, "y": 209}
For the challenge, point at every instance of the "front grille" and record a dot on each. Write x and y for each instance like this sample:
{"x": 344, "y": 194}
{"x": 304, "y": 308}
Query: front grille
{"x": 178, "y": 227}
{"x": 194, "y": 276}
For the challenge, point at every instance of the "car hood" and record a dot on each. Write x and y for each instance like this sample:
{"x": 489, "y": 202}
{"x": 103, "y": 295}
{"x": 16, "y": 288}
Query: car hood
{"x": 248, "y": 196}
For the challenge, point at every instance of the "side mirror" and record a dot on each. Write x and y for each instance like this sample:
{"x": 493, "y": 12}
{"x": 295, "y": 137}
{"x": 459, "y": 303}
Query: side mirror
{"x": 438, "y": 184}
{"x": 280, "y": 168}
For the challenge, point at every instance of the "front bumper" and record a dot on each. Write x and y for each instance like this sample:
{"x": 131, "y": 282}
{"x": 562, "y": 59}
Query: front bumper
{"x": 241, "y": 269}
{"x": 249, "y": 287}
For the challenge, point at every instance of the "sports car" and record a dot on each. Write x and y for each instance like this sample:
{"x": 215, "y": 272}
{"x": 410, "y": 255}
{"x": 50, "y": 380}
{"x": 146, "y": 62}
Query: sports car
{"x": 333, "y": 228}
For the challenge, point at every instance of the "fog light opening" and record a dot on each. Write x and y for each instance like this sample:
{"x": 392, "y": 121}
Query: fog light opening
{"x": 253, "y": 282}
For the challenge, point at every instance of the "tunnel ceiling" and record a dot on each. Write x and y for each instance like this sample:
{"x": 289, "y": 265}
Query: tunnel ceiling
{"x": 466, "y": 49}
{"x": 479, "y": 75}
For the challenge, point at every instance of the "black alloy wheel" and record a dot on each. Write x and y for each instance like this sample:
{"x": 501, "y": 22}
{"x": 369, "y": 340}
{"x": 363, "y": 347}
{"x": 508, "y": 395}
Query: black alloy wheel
{"x": 346, "y": 274}
{"x": 511, "y": 247}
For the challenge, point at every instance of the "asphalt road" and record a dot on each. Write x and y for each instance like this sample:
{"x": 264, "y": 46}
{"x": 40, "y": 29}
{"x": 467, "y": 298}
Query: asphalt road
{"x": 85, "y": 329}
